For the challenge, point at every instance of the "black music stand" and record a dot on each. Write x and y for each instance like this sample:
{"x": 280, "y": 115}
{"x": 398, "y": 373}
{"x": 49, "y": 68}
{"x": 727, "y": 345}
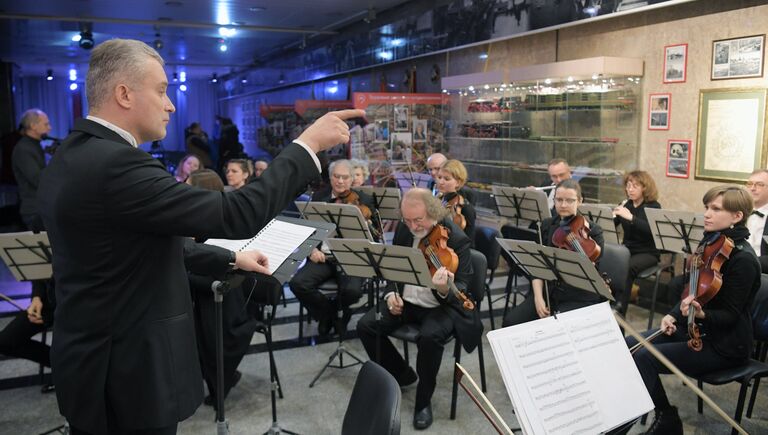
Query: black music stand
{"x": 678, "y": 232}
{"x": 408, "y": 180}
{"x": 555, "y": 264}
{"x": 386, "y": 200}
{"x": 347, "y": 218}
{"x": 603, "y": 216}
{"x": 521, "y": 206}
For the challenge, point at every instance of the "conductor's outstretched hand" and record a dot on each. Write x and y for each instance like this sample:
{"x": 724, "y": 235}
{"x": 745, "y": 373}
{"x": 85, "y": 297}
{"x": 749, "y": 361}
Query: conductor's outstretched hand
{"x": 329, "y": 130}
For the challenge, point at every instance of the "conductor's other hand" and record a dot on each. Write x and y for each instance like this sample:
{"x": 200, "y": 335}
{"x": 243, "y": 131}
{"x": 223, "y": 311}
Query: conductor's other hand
{"x": 541, "y": 307}
{"x": 252, "y": 261}
{"x": 395, "y": 304}
{"x": 317, "y": 256}
{"x": 329, "y": 130}
{"x": 668, "y": 325}
{"x": 34, "y": 311}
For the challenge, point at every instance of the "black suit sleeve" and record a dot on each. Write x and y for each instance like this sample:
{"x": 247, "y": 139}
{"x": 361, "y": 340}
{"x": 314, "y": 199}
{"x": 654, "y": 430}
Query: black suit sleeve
{"x": 141, "y": 196}
{"x": 202, "y": 259}
{"x": 763, "y": 263}
{"x": 27, "y": 164}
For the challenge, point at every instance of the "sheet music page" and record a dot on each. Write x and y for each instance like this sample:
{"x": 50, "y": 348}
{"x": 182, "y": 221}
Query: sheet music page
{"x": 277, "y": 240}
{"x": 545, "y": 379}
{"x": 607, "y": 364}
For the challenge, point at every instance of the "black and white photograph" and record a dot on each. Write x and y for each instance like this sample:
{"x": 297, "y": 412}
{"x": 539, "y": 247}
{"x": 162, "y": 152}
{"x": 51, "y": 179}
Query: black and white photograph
{"x": 678, "y": 158}
{"x": 675, "y": 63}
{"x": 401, "y": 118}
{"x": 738, "y": 57}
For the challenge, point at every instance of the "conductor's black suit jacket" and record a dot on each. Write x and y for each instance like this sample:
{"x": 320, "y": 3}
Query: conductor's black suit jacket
{"x": 124, "y": 349}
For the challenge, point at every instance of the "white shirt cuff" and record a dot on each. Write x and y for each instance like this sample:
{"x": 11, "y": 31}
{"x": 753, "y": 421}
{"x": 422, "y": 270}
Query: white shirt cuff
{"x": 311, "y": 153}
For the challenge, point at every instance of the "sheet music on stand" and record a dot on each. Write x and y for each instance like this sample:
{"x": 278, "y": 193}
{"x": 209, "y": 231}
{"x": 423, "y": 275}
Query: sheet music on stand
{"x": 521, "y": 206}
{"x": 401, "y": 264}
{"x": 603, "y": 216}
{"x": 386, "y": 200}
{"x": 405, "y": 180}
{"x": 349, "y": 221}
{"x": 675, "y": 231}
{"x": 570, "y": 374}
{"x": 555, "y": 264}
{"x": 27, "y": 255}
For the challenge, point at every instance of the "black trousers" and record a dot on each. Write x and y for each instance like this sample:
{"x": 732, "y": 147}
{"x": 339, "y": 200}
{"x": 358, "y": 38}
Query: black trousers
{"x": 526, "y": 311}
{"x": 168, "y": 430}
{"x": 675, "y": 348}
{"x": 637, "y": 264}
{"x": 16, "y": 340}
{"x": 436, "y": 328}
{"x": 307, "y": 280}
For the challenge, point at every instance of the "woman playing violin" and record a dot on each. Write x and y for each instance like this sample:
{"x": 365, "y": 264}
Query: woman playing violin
{"x": 563, "y": 298}
{"x": 724, "y": 321}
{"x": 450, "y": 179}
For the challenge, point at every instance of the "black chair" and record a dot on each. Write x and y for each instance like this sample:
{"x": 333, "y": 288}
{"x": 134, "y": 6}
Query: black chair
{"x": 653, "y": 271}
{"x": 760, "y": 331}
{"x": 485, "y": 242}
{"x": 614, "y": 263}
{"x": 374, "y": 407}
{"x": 517, "y": 233}
{"x": 752, "y": 370}
{"x": 410, "y": 333}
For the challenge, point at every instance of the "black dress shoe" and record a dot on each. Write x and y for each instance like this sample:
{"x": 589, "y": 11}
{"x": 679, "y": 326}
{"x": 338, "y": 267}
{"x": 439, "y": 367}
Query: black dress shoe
{"x": 324, "y": 326}
{"x": 423, "y": 419}
{"x": 666, "y": 422}
{"x": 48, "y": 388}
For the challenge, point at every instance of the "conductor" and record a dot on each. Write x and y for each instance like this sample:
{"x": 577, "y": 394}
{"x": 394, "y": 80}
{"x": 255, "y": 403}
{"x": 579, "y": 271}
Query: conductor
{"x": 124, "y": 355}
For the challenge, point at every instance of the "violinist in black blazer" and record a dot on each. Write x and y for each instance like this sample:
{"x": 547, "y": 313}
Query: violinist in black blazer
{"x": 565, "y": 298}
{"x": 124, "y": 355}
{"x": 725, "y": 321}
{"x": 438, "y": 312}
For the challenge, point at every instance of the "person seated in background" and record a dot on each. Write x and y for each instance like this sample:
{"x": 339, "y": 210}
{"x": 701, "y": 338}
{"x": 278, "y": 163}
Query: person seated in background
{"x": 16, "y": 338}
{"x": 197, "y": 143}
{"x": 725, "y": 322}
{"x": 319, "y": 269}
{"x": 630, "y": 214}
{"x": 439, "y": 314}
{"x": 361, "y": 173}
{"x": 434, "y": 162}
{"x": 187, "y": 165}
{"x": 758, "y": 187}
{"x": 451, "y": 178}
{"x": 259, "y": 166}
{"x": 237, "y": 174}
{"x": 558, "y": 170}
{"x": 562, "y": 298}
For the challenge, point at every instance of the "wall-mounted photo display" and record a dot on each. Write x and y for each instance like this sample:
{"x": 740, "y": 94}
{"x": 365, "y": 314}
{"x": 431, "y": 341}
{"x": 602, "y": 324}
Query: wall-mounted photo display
{"x": 675, "y": 63}
{"x": 738, "y": 57}
{"x": 401, "y": 118}
{"x": 659, "y": 110}
{"x": 678, "y": 158}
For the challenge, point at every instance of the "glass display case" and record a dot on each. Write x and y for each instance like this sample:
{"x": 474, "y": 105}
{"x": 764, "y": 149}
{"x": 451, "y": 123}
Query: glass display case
{"x": 506, "y": 130}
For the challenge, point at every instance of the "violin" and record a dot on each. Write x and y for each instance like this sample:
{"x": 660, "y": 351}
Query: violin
{"x": 351, "y": 197}
{"x": 438, "y": 254}
{"x": 575, "y": 237}
{"x": 455, "y": 205}
{"x": 705, "y": 279}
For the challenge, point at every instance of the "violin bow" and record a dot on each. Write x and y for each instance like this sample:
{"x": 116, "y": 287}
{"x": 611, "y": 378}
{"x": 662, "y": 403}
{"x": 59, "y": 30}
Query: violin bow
{"x": 410, "y": 173}
{"x": 499, "y": 424}
{"x": 12, "y": 302}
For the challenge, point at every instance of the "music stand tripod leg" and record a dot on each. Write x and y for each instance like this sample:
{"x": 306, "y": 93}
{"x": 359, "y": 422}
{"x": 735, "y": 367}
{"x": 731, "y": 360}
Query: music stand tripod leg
{"x": 219, "y": 288}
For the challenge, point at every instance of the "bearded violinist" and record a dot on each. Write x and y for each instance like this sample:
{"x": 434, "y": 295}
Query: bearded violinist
{"x": 563, "y": 298}
{"x": 438, "y": 313}
{"x": 450, "y": 181}
{"x": 725, "y": 321}
{"x": 318, "y": 269}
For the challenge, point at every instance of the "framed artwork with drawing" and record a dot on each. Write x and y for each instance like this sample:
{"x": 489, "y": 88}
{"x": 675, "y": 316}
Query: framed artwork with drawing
{"x": 675, "y": 63}
{"x": 678, "y": 158}
{"x": 738, "y": 57}
{"x": 731, "y": 139}
{"x": 659, "y": 109}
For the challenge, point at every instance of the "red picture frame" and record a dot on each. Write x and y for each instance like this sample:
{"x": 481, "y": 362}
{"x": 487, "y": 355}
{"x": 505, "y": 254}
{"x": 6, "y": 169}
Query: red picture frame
{"x": 678, "y": 158}
{"x": 659, "y": 111}
{"x": 675, "y": 64}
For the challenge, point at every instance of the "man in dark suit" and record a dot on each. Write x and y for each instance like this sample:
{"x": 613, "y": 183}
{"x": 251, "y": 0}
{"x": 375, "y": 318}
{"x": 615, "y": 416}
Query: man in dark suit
{"x": 439, "y": 313}
{"x": 317, "y": 270}
{"x": 124, "y": 355}
{"x": 758, "y": 187}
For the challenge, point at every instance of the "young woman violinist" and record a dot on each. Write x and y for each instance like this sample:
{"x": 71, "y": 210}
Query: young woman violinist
{"x": 565, "y": 298}
{"x": 724, "y": 322}
{"x": 450, "y": 179}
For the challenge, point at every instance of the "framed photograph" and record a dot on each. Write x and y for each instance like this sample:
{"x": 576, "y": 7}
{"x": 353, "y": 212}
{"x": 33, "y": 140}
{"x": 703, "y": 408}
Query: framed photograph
{"x": 401, "y": 147}
{"x": 401, "y": 117}
{"x": 678, "y": 158}
{"x": 731, "y": 138}
{"x": 382, "y": 130}
{"x": 675, "y": 63}
{"x": 419, "y": 130}
{"x": 738, "y": 57}
{"x": 659, "y": 109}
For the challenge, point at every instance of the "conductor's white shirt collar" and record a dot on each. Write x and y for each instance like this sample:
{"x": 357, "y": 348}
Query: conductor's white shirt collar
{"x": 124, "y": 134}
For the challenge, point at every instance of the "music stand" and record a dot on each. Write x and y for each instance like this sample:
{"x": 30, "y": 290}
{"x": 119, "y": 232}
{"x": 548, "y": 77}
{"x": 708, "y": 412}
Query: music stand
{"x": 408, "y": 180}
{"x": 522, "y": 206}
{"x": 385, "y": 199}
{"x": 603, "y": 216}
{"x": 555, "y": 264}
{"x": 347, "y": 218}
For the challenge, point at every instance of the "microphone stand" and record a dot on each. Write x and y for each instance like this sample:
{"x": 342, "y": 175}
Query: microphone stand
{"x": 219, "y": 288}
{"x": 410, "y": 173}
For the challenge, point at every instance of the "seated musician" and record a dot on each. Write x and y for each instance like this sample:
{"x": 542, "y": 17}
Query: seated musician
{"x": 725, "y": 321}
{"x": 317, "y": 270}
{"x": 361, "y": 173}
{"x": 451, "y": 178}
{"x": 563, "y": 298}
{"x": 438, "y": 313}
{"x": 641, "y": 194}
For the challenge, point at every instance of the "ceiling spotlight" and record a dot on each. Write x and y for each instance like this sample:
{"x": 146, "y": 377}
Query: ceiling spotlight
{"x": 183, "y": 76}
{"x": 76, "y": 38}
{"x": 86, "y": 36}
{"x": 214, "y": 78}
{"x": 175, "y": 77}
{"x": 183, "y": 88}
{"x": 49, "y": 75}
{"x": 222, "y": 46}
{"x": 157, "y": 43}
{"x": 73, "y": 87}
{"x": 244, "y": 80}
{"x": 72, "y": 75}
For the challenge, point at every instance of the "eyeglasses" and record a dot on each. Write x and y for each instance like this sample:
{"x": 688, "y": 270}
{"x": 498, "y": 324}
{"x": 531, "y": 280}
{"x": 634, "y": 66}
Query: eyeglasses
{"x": 758, "y": 184}
{"x": 569, "y": 201}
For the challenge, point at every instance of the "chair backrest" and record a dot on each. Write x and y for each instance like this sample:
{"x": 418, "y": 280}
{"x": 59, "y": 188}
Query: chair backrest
{"x": 479, "y": 270}
{"x": 374, "y": 407}
{"x": 615, "y": 262}
{"x": 485, "y": 242}
{"x": 760, "y": 311}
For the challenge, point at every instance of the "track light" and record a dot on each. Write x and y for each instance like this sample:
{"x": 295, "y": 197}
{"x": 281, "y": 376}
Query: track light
{"x": 214, "y": 78}
{"x": 86, "y": 36}
{"x": 49, "y": 75}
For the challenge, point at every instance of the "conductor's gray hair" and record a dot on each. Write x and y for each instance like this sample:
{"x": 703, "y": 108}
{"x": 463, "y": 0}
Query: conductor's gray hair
{"x": 113, "y": 62}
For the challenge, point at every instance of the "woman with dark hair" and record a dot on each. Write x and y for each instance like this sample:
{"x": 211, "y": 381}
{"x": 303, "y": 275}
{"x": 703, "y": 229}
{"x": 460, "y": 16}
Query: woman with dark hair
{"x": 725, "y": 322}
{"x": 562, "y": 298}
{"x": 630, "y": 214}
{"x": 238, "y": 173}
